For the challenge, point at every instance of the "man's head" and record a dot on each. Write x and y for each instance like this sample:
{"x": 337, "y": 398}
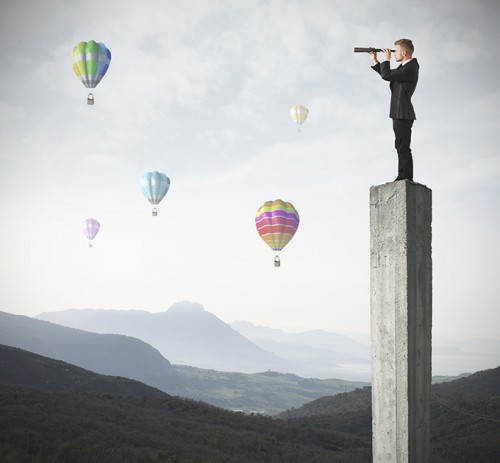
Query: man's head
{"x": 404, "y": 49}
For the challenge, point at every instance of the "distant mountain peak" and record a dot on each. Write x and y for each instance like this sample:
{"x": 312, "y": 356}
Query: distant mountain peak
{"x": 186, "y": 306}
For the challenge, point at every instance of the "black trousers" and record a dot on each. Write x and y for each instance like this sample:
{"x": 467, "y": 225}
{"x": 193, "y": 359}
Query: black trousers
{"x": 402, "y": 132}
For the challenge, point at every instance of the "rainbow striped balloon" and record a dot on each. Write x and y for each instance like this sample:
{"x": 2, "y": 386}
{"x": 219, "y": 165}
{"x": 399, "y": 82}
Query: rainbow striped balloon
{"x": 90, "y": 62}
{"x": 277, "y": 221}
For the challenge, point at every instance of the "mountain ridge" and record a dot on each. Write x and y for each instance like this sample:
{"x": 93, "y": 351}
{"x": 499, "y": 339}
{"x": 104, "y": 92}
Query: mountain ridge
{"x": 125, "y": 356}
{"x": 186, "y": 334}
{"x": 23, "y": 368}
{"x": 268, "y": 393}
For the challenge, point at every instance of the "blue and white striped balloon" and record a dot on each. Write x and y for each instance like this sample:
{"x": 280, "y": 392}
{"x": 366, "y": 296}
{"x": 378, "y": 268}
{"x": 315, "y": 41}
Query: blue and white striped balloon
{"x": 154, "y": 186}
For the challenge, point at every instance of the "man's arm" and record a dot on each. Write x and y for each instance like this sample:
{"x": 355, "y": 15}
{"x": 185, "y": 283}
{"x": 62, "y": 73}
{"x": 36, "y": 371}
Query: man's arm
{"x": 375, "y": 62}
{"x": 406, "y": 73}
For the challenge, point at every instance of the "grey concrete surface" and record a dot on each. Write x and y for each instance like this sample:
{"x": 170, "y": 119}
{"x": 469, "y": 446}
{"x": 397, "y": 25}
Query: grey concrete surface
{"x": 401, "y": 320}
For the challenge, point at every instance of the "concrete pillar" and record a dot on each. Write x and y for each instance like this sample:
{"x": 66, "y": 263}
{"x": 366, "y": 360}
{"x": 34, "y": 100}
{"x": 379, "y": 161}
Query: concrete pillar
{"x": 401, "y": 320}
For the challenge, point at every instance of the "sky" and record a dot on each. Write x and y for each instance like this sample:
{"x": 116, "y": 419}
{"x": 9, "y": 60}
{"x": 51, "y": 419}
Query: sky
{"x": 202, "y": 91}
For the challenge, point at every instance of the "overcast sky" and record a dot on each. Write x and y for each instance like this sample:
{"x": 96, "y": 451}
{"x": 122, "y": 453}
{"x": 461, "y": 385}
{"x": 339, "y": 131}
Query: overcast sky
{"x": 201, "y": 90}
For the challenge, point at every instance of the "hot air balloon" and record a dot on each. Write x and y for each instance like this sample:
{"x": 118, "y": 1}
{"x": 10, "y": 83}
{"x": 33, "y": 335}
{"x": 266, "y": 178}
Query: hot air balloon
{"x": 154, "y": 185}
{"x": 299, "y": 114}
{"x": 90, "y": 63}
{"x": 277, "y": 221}
{"x": 90, "y": 229}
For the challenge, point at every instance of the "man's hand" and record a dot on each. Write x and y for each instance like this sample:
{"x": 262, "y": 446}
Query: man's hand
{"x": 373, "y": 57}
{"x": 387, "y": 53}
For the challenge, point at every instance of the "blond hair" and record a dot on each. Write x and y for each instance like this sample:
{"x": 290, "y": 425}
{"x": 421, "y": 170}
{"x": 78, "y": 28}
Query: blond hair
{"x": 406, "y": 45}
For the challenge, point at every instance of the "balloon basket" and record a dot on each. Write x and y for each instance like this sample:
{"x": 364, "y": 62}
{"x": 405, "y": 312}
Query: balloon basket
{"x": 154, "y": 212}
{"x": 90, "y": 245}
{"x": 90, "y": 99}
{"x": 277, "y": 262}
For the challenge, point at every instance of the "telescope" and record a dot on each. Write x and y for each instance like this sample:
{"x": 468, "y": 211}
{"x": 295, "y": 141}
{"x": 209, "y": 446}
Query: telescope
{"x": 368, "y": 50}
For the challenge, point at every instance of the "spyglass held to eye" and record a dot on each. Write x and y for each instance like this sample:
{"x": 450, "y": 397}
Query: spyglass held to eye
{"x": 368, "y": 50}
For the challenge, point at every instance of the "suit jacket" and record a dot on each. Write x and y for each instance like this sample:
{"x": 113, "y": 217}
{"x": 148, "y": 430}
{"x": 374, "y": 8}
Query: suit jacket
{"x": 403, "y": 81}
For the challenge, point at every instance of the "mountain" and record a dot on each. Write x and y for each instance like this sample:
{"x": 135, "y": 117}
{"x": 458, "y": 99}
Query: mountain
{"x": 465, "y": 417}
{"x": 450, "y": 358}
{"x": 323, "y": 354}
{"x": 267, "y": 393}
{"x": 316, "y": 353}
{"x": 22, "y": 368}
{"x": 479, "y": 386}
{"x": 53, "y": 411}
{"x": 109, "y": 354}
{"x": 318, "y": 339}
{"x": 186, "y": 334}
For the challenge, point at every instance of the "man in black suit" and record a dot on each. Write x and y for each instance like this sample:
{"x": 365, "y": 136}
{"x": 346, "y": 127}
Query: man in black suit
{"x": 403, "y": 81}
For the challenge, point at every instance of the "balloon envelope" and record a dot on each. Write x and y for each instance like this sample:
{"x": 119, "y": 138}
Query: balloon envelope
{"x": 299, "y": 113}
{"x": 154, "y": 186}
{"x": 90, "y": 228}
{"x": 276, "y": 222}
{"x": 90, "y": 62}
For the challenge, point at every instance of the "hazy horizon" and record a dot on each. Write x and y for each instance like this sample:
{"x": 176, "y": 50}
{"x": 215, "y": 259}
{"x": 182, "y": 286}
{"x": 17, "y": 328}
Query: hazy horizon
{"x": 360, "y": 336}
{"x": 304, "y": 353}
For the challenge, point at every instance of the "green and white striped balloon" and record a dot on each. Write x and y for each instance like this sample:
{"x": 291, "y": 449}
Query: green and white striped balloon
{"x": 90, "y": 62}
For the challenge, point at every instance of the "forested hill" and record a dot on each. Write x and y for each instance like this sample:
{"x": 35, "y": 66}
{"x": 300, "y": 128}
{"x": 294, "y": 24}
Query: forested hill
{"x": 47, "y": 418}
{"x": 480, "y": 386}
{"x": 22, "y": 368}
{"x": 54, "y": 411}
{"x": 465, "y": 417}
